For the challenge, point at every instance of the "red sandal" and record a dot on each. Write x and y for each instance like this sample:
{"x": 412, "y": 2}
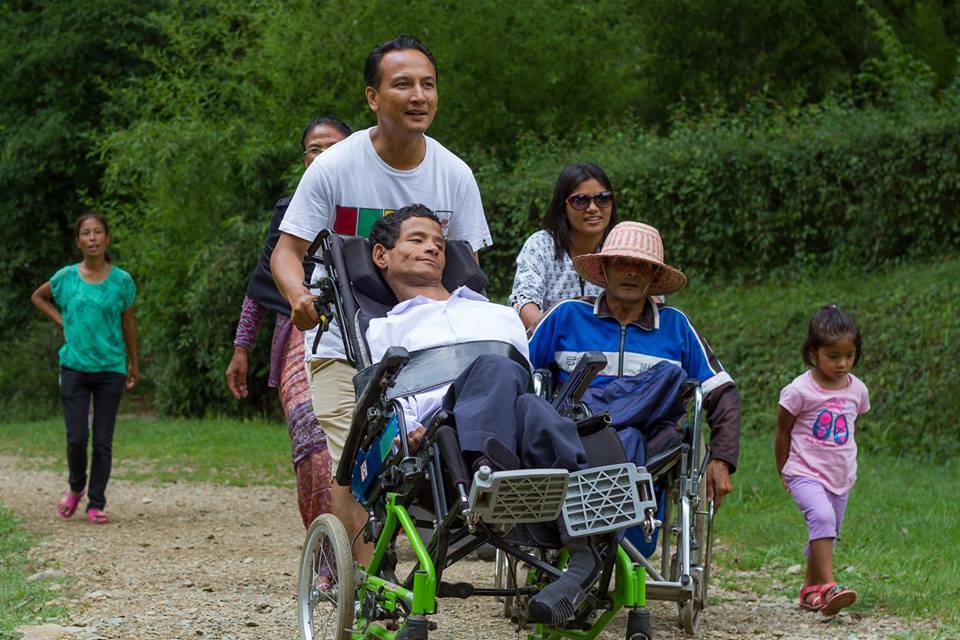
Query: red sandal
{"x": 95, "y": 516}
{"x": 814, "y": 603}
{"x": 68, "y": 504}
{"x": 835, "y": 597}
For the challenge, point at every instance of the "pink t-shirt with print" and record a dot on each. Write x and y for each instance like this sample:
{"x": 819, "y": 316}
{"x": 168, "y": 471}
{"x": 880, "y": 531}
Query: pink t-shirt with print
{"x": 822, "y": 445}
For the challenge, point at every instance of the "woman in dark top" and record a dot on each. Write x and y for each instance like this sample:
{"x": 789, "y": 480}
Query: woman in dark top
{"x": 309, "y": 445}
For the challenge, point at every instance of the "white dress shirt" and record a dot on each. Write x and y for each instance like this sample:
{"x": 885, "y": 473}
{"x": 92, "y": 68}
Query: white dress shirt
{"x": 420, "y": 323}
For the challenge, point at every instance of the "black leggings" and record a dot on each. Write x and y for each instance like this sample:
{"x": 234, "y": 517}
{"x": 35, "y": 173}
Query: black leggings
{"x": 76, "y": 389}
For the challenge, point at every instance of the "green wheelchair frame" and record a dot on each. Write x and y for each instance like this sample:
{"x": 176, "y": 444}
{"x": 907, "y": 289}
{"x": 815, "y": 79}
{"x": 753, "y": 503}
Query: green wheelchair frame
{"x": 355, "y": 604}
{"x": 370, "y": 601}
{"x": 421, "y": 599}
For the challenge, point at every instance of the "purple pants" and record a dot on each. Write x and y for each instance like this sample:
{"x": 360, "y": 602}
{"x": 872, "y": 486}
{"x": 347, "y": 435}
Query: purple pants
{"x": 822, "y": 509}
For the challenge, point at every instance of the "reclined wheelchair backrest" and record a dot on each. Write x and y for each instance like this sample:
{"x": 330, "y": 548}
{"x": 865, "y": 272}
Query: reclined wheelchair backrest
{"x": 364, "y": 293}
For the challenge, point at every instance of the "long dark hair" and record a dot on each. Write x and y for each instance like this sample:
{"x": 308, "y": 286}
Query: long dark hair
{"x": 555, "y": 219}
{"x": 83, "y": 217}
{"x": 828, "y": 325}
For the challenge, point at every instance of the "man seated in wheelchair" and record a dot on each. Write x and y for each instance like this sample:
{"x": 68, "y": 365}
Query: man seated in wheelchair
{"x": 498, "y": 423}
{"x": 650, "y": 347}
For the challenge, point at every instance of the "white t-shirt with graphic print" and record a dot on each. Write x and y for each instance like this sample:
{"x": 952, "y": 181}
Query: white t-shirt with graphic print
{"x": 348, "y": 187}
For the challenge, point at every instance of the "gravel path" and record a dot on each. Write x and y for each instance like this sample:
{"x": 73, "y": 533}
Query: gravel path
{"x": 201, "y": 561}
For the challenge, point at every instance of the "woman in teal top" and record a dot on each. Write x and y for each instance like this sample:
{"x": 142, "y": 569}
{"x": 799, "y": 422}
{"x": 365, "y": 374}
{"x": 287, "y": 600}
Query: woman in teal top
{"x": 93, "y": 303}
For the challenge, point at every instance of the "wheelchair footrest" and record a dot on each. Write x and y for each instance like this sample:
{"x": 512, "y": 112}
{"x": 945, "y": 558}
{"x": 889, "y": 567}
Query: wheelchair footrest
{"x": 513, "y": 497}
{"x": 606, "y": 499}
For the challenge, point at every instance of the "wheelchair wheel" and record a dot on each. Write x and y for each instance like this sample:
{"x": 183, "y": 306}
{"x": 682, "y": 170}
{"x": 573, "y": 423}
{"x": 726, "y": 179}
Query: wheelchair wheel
{"x": 701, "y": 547}
{"x": 505, "y": 578}
{"x": 326, "y": 590}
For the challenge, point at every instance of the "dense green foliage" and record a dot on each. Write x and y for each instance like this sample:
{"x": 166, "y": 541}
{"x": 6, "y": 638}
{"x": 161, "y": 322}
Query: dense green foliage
{"x": 909, "y": 317}
{"x": 776, "y": 125}
{"x": 59, "y": 61}
{"x": 761, "y": 193}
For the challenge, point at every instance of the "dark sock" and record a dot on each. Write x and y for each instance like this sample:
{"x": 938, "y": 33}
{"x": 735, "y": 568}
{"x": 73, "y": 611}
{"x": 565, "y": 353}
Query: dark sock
{"x": 558, "y": 600}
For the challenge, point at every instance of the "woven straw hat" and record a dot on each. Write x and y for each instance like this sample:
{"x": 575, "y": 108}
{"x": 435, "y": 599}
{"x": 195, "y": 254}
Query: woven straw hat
{"x": 636, "y": 241}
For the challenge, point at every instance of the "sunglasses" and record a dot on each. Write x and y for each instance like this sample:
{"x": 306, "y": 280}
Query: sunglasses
{"x": 580, "y": 201}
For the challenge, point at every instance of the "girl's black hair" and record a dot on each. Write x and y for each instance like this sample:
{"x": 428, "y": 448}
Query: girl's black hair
{"x": 83, "y": 217}
{"x": 555, "y": 219}
{"x": 828, "y": 325}
{"x": 339, "y": 125}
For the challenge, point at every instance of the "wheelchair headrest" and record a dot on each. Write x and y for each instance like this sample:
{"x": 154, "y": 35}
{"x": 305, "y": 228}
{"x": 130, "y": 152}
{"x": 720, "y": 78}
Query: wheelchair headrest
{"x": 461, "y": 269}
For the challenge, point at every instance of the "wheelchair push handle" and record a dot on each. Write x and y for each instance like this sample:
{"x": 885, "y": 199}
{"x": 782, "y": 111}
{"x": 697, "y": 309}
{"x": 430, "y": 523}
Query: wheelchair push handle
{"x": 323, "y": 304}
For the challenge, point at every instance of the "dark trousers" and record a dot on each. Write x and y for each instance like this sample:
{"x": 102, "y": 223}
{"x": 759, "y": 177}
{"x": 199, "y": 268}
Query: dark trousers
{"x": 76, "y": 390}
{"x": 490, "y": 399}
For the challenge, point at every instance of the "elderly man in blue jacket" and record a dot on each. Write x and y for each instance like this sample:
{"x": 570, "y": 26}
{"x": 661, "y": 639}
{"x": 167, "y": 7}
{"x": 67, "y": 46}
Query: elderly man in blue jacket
{"x": 636, "y": 332}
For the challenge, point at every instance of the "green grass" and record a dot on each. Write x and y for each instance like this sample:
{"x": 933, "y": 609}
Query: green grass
{"x": 21, "y": 602}
{"x": 219, "y": 450}
{"x": 909, "y": 316}
{"x": 900, "y": 542}
{"x": 900, "y": 546}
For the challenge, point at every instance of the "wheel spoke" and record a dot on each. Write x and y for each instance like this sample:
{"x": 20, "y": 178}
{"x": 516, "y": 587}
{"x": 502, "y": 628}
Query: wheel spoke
{"x": 326, "y": 595}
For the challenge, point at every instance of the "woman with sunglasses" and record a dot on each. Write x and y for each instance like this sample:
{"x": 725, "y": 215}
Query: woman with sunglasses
{"x": 580, "y": 214}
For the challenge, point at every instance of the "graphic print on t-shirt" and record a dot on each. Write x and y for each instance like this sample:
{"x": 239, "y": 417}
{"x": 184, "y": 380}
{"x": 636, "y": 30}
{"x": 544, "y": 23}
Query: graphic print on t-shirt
{"x": 829, "y": 424}
{"x": 358, "y": 221}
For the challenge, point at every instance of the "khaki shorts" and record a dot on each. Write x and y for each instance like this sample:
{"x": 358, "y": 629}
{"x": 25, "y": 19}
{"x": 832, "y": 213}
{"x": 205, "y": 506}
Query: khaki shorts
{"x": 331, "y": 389}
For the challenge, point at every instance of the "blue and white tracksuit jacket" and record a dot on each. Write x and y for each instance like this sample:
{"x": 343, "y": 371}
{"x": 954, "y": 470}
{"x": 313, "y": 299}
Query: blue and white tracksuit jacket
{"x": 662, "y": 333}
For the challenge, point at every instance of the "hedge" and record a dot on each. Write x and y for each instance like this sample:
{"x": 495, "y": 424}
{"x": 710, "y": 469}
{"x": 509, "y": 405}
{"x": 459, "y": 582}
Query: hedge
{"x": 756, "y": 195}
{"x": 909, "y": 317}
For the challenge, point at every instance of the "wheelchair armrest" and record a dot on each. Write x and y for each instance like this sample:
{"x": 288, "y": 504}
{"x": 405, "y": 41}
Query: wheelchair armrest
{"x": 588, "y": 366}
{"x": 385, "y": 373}
{"x": 593, "y": 424}
{"x": 689, "y": 386}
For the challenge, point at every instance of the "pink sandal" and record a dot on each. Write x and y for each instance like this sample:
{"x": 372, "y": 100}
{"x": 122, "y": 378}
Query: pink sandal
{"x": 68, "y": 504}
{"x": 816, "y": 602}
{"x": 95, "y": 516}
{"x": 835, "y": 597}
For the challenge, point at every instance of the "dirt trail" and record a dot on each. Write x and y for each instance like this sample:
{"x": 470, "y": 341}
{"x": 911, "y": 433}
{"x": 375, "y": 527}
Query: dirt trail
{"x": 202, "y": 561}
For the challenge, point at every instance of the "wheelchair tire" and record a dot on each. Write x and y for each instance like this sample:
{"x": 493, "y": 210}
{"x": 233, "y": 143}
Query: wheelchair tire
{"x": 700, "y": 552}
{"x": 701, "y": 518}
{"x": 505, "y": 578}
{"x": 328, "y": 613}
{"x": 638, "y": 625}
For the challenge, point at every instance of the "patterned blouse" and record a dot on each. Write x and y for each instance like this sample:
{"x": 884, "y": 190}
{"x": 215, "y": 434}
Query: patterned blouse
{"x": 544, "y": 281}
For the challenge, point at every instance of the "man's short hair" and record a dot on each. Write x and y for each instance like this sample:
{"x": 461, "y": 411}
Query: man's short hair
{"x": 386, "y": 230}
{"x": 371, "y": 67}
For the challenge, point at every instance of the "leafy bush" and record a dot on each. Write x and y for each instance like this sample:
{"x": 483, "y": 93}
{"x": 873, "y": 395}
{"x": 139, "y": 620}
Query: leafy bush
{"x": 28, "y": 374}
{"x": 190, "y": 341}
{"x": 758, "y": 194}
{"x": 180, "y": 120}
{"x": 910, "y": 320}
{"x": 59, "y": 60}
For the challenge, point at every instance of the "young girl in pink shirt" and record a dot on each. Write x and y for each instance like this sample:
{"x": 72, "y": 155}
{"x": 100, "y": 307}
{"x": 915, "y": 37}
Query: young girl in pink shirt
{"x": 815, "y": 448}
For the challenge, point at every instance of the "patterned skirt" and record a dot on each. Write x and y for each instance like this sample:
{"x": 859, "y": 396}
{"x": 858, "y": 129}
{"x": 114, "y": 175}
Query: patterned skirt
{"x": 306, "y": 436}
